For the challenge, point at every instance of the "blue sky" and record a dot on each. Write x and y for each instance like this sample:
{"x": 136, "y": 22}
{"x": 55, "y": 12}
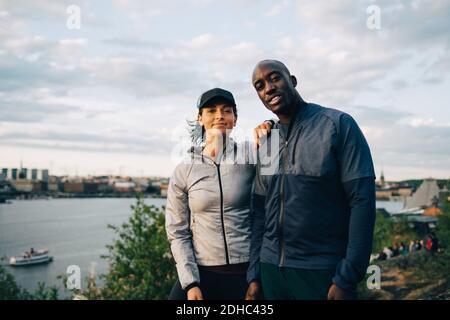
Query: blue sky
{"x": 115, "y": 94}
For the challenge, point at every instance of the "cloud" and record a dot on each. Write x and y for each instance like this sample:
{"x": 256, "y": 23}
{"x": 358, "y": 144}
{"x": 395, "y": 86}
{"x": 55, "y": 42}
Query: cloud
{"x": 203, "y": 41}
{"x": 378, "y": 117}
{"x": 105, "y": 88}
{"x": 120, "y": 142}
{"x": 399, "y": 84}
{"x": 337, "y": 40}
{"x": 43, "y": 9}
{"x": 133, "y": 43}
{"x": 39, "y": 62}
{"x": 277, "y": 9}
{"x": 401, "y": 140}
{"x": 31, "y": 112}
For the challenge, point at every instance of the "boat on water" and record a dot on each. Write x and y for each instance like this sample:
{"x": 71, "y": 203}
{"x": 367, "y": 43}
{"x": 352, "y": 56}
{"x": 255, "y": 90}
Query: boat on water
{"x": 31, "y": 257}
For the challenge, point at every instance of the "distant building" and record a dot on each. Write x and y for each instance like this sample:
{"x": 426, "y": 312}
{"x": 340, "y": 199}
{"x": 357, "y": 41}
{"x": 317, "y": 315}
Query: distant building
{"x": 23, "y": 185}
{"x": 404, "y": 191}
{"x": 39, "y": 186}
{"x": 73, "y": 187}
{"x": 141, "y": 184}
{"x": 23, "y": 173}
{"x": 54, "y": 184}
{"x": 90, "y": 187}
{"x": 164, "y": 187}
{"x": 424, "y": 195}
{"x": 382, "y": 179}
{"x": 5, "y": 173}
{"x": 44, "y": 175}
{"x": 80, "y": 187}
{"x": 14, "y": 174}
{"x": 34, "y": 174}
{"x": 383, "y": 194}
{"x": 105, "y": 188}
{"x": 432, "y": 212}
{"x": 124, "y": 186}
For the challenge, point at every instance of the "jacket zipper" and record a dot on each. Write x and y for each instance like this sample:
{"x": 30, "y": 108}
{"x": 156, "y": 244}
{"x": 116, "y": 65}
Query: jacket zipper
{"x": 282, "y": 198}
{"x": 282, "y": 195}
{"x": 222, "y": 215}
{"x": 281, "y": 215}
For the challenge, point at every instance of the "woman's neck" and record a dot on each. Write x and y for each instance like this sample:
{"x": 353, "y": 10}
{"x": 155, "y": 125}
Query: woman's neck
{"x": 215, "y": 145}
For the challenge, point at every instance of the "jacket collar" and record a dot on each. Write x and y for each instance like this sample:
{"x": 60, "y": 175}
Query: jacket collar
{"x": 298, "y": 118}
{"x": 230, "y": 150}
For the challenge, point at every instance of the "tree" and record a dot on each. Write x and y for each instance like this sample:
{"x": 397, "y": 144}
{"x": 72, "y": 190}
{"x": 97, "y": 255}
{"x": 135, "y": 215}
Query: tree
{"x": 381, "y": 233}
{"x": 141, "y": 265}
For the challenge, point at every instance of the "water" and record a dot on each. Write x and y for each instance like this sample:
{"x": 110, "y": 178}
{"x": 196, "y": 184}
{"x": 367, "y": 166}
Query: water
{"x": 74, "y": 230}
{"x": 390, "y": 206}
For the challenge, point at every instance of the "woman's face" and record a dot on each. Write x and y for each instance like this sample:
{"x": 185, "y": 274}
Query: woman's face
{"x": 219, "y": 115}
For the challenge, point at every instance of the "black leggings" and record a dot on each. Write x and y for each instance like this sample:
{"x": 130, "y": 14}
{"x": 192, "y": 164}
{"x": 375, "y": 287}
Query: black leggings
{"x": 215, "y": 286}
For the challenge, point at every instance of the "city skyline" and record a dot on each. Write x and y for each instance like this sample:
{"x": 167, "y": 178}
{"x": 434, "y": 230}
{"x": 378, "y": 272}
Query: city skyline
{"x": 113, "y": 96}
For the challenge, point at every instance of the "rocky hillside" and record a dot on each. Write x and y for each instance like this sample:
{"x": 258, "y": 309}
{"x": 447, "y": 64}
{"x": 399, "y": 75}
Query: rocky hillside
{"x": 418, "y": 276}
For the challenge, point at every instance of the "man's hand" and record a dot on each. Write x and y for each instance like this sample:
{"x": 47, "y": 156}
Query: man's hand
{"x": 336, "y": 293}
{"x": 253, "y": 291}
{"x": 260, "y": 131}
{"x": 194, "y": 294}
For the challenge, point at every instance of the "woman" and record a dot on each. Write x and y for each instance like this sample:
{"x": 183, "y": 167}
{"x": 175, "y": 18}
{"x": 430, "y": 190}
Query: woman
{"x": 208, "y": 206}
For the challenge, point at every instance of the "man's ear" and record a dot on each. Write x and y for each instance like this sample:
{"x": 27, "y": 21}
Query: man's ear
{"x": 294, "y": 81}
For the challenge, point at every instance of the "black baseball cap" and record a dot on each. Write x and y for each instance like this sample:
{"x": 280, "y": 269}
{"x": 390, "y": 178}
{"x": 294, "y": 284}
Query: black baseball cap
{"x": 213, "y": 94}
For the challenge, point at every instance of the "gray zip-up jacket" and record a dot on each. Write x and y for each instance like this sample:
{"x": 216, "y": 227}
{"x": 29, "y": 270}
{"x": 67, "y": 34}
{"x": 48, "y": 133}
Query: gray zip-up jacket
{"x": 207, "y": 212}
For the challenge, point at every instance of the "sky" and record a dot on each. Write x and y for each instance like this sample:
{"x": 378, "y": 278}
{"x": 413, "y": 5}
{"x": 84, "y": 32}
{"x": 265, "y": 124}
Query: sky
{"x": 113, "y": 96}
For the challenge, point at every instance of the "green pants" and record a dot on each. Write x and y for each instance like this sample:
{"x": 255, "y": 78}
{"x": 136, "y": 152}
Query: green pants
{"x": 292, "y": 283}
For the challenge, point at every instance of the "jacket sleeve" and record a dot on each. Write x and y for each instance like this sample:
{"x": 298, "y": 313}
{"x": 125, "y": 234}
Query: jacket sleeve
{"x": 361, "y": 197}
{"x": 257, "y": 220}
{"x": 178, "y": 229}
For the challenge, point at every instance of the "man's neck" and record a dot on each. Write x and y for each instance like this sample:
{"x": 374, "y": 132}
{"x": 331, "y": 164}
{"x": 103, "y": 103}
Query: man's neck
{"x": 286, "y": 117}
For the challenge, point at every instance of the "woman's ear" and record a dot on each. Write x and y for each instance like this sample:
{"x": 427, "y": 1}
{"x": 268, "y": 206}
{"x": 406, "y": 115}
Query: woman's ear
{"x": 235, "y": 120}
{"x": 199, "y": 119}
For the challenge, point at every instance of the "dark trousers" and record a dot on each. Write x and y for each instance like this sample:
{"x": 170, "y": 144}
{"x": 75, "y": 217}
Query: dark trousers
{"x": 215, "y": 286}
{"x": 295, "y": 284}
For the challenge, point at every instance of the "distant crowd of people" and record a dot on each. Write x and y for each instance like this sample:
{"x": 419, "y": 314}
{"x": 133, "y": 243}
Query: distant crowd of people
{"x": 430, "y": 244}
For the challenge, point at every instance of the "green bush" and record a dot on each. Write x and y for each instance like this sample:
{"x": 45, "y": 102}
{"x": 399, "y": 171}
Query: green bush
{"x": 141, "y": 265}
{"x": 443, "y": 228}
{"x": 10, "y": 290}
{"x": 387, "y": 232}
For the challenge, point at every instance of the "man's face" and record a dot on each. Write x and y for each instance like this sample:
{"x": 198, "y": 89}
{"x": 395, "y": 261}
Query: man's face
{"x": 275, "y": 87}
{"x": 219, "y": 115}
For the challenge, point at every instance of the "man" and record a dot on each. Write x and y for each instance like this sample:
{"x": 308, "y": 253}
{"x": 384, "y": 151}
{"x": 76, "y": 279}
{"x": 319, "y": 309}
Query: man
{"x": 313, "y": 219}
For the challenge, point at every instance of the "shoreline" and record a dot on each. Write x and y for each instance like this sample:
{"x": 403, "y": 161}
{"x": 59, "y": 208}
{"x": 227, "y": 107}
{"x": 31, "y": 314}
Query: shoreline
{"x": 79, "y": 196}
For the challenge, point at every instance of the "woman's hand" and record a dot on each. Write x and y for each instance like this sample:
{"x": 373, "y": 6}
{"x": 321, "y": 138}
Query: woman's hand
{"x": 194, "y": 294}
{"x": 261, "y": 131}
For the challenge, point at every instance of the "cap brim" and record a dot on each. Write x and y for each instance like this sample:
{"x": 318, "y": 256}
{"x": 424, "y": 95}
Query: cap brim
{"x": 206, "y": 102}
